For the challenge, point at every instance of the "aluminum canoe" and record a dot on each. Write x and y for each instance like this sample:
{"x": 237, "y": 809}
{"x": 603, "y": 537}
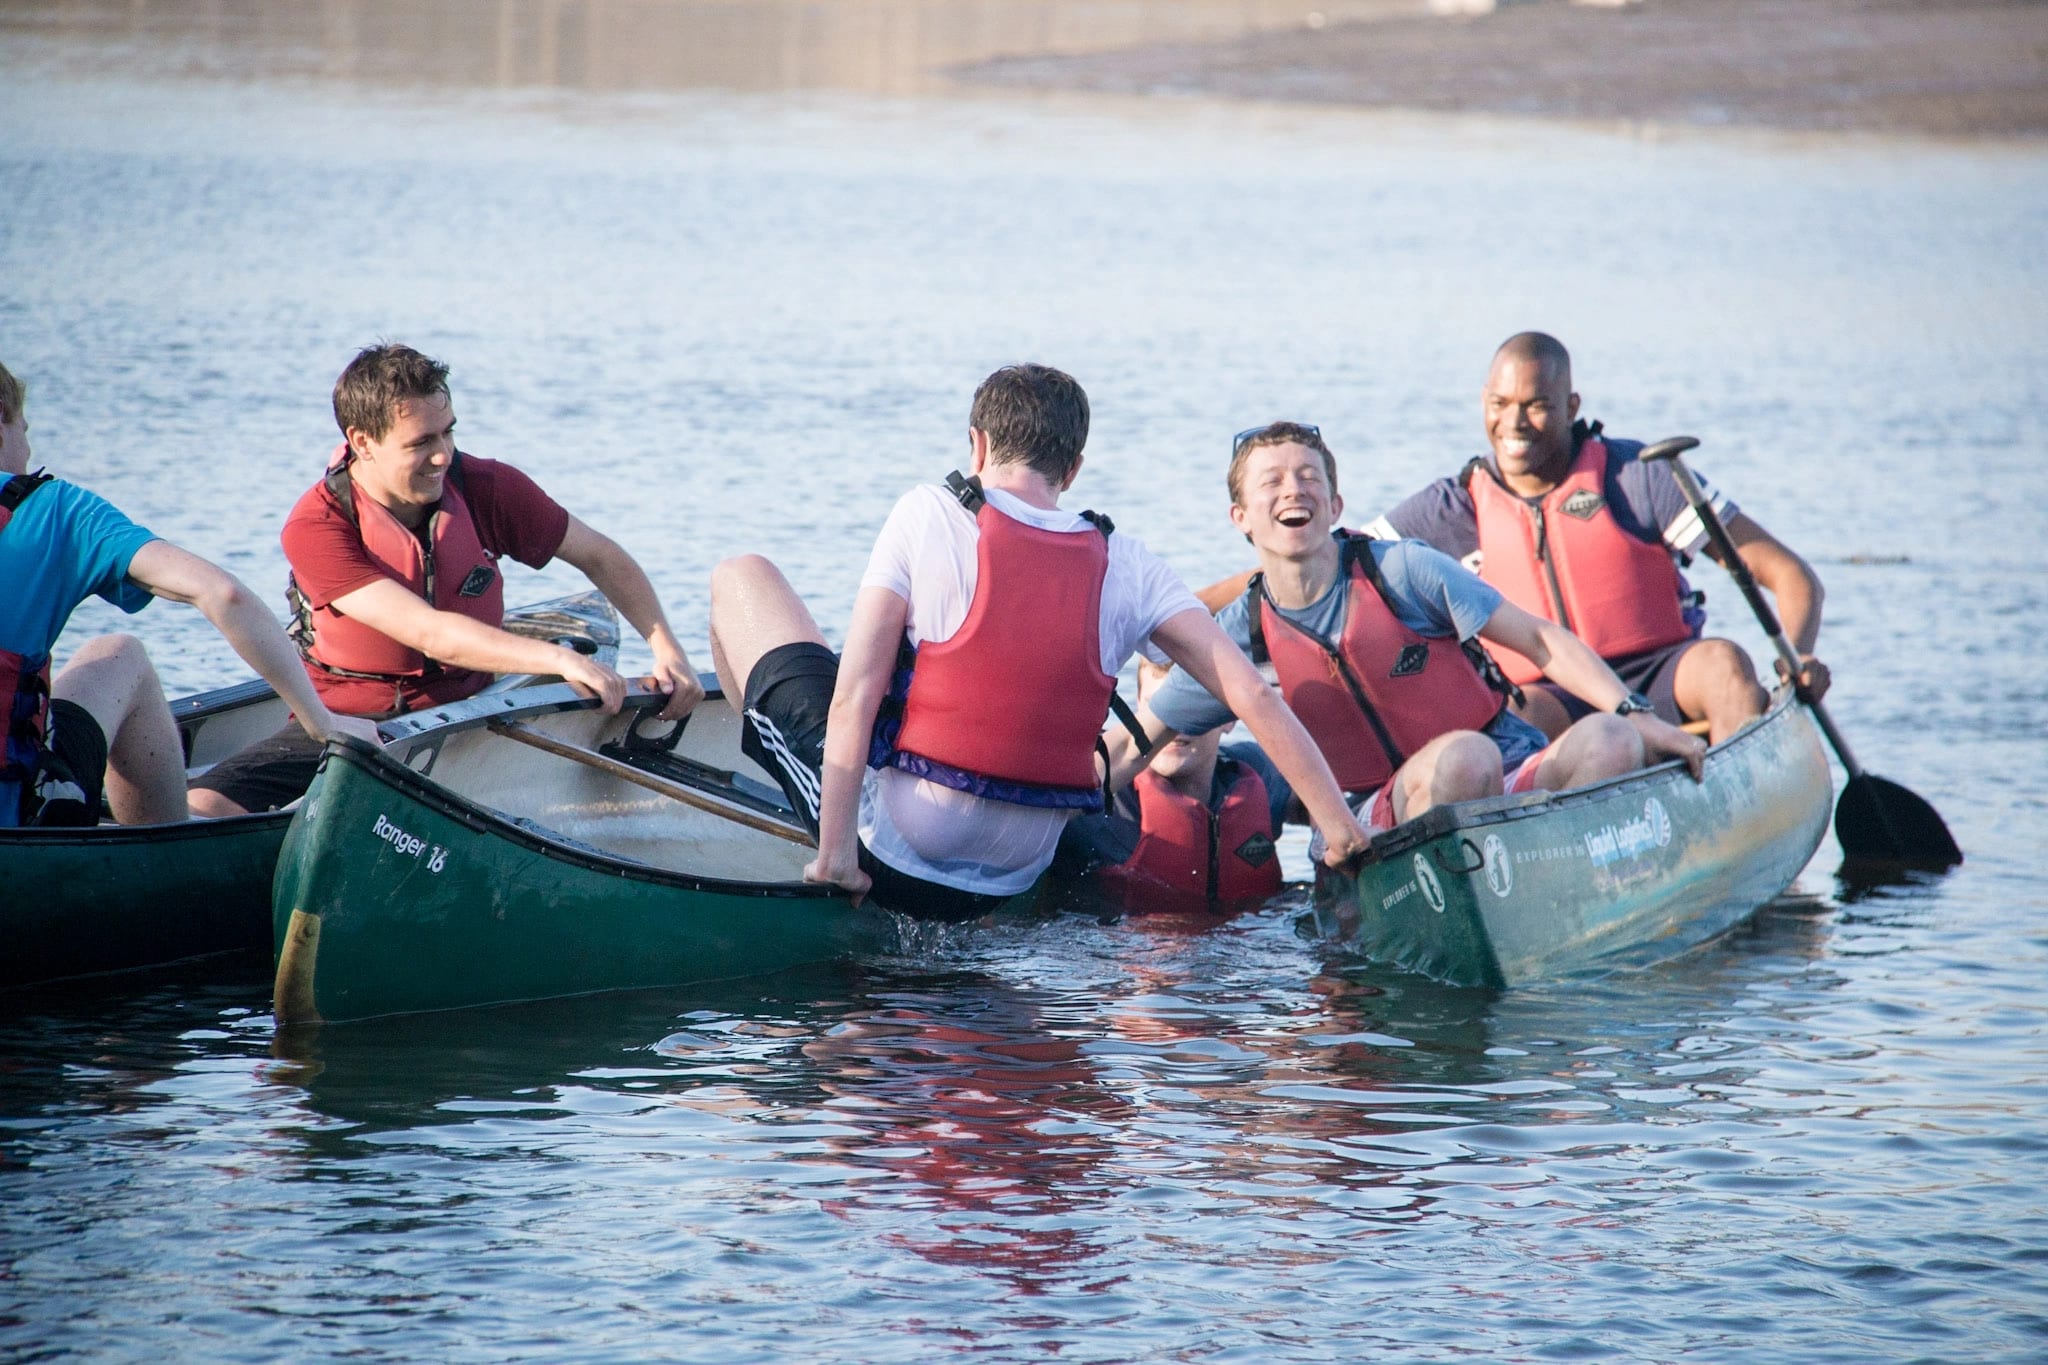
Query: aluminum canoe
{"x": 1518, "y": 889}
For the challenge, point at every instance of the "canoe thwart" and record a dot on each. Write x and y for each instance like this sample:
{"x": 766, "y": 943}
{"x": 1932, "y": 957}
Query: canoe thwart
{"x": 676, "y": 784}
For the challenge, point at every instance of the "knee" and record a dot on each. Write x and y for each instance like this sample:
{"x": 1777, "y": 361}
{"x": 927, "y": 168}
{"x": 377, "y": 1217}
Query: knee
{"x": 1468, "y": 767}
{"x": 733, "y": 577}
{"x": 1606, "y": 745}
{"x": 124, "y": 652}
{"x": 1722, "y": 661}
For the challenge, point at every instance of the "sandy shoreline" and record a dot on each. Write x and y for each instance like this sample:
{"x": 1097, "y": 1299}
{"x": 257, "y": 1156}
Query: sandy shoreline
{"x": 1952, "y": 68}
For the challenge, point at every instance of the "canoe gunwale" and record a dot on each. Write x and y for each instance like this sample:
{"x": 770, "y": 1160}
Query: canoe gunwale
{"x": 381, "y": 767}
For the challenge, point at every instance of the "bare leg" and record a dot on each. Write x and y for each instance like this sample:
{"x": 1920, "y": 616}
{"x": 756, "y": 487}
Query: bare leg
{"x": 111, "y": 677}
{"x": 1541, "y": 708}
{"x": 1716, "y": 680}
{"x": 1463, "y": 765}
{"x": 208, "y": 804}
{"x": 1596, "y": 748}
{"x": 753, "y": 610}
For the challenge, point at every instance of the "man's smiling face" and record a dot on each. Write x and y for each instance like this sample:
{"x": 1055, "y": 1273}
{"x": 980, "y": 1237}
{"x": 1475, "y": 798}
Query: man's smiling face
{"x": 1286, "y": 505}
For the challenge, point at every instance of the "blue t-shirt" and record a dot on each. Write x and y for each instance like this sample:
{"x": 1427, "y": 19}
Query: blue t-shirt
{"x": 63, "y": 545}
{"x": 1429, "y": 593}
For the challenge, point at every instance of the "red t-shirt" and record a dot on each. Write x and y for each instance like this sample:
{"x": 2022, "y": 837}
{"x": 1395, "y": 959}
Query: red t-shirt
{"x": 513, "y": 516}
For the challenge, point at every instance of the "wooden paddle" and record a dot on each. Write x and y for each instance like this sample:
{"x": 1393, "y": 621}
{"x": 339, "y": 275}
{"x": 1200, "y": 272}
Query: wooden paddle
{"x": 1875, "y": 820}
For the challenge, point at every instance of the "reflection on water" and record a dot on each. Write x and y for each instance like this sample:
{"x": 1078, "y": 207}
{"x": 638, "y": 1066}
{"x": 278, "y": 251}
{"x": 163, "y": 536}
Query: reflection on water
{"x": 882, "y": 46}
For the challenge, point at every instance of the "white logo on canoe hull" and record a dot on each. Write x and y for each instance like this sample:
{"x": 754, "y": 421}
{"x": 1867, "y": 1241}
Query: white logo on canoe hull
{"x": 1615, "y": 842}
{"x": 407, "y": 845}
{"x": 1500, "y": 872}
{"x": 1432, "y": 889}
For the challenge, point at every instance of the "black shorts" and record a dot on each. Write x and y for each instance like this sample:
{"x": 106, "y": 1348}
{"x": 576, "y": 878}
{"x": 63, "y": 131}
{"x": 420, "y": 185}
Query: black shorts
{"x": 788, "y": 699}
{"x": 1654, "y": 673}
{"x": 72, "y": 773}
{"x": 269, "y": 774}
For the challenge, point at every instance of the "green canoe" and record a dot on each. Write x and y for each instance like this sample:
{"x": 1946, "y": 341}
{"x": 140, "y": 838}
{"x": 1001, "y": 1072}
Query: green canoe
{"x": 552, "y": 852}
{"x": 1526, "y": 888}
{"x": 114, "y": 897}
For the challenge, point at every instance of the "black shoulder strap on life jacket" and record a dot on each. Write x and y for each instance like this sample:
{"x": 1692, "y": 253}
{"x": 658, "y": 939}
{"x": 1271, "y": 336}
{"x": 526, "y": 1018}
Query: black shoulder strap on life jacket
{"x": 1584, "y": 431}
{"x": 967, "y": 489}
{"x": 1101, "y": 522}
{"x": 342, "y": 486}
{"x": 1129, "y": 719}
{"x": 1476, "y": 465}
{"x": 15, "y": 492}
{"x": 1254, "y": 615}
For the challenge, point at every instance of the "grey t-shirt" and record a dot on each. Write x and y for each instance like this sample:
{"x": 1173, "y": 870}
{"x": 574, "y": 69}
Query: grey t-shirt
{"x": 1429, "y": 593}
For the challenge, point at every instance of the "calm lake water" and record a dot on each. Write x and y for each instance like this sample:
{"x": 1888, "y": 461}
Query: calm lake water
{"x": 724, "y": 319}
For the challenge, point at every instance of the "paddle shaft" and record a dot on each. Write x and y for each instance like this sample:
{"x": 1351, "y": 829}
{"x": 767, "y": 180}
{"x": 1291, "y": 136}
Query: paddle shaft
{"x": 1731, "y": 559}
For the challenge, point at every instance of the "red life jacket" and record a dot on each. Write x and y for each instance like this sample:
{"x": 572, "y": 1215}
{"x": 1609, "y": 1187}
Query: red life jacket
{"x": 1011, "y": 706}
{"x": 24, "y": 687}
{"x": 1565, "y": 558}
{"x": 1377, "y": 693}
{"x": 457, "y": 574}
{"x": 1192, "y": 855}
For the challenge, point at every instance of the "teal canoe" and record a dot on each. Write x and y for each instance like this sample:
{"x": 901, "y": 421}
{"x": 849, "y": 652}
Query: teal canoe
{"x": 1518, "y": 889}
{"x": 555, "y": 851}
{"x": 117, "y": 897}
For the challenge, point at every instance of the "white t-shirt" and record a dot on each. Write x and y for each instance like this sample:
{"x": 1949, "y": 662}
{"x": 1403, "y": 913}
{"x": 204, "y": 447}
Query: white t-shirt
{"x": 926, "y": 555}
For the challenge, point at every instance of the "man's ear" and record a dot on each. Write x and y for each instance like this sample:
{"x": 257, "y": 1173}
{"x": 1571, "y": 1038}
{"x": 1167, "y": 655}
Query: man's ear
{"x": 1571, "y": 413}
{"x": 1336, "y": 509}
{"x": 1239, "y": 518}
{"x": 1074, "y": 473}
{"x": 358, "y": 441}
{"x": 977, "y": 443}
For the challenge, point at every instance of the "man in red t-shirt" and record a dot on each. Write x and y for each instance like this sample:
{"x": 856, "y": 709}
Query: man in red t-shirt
{"x": 395, "y": 583}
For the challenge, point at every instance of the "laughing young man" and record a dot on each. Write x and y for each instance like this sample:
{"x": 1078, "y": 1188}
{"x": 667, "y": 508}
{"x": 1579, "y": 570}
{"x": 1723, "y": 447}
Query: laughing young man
{"x": 1370, "y": 640}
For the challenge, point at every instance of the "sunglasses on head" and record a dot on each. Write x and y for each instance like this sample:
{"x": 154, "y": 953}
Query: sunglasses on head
{"x": 1239, "y": 441}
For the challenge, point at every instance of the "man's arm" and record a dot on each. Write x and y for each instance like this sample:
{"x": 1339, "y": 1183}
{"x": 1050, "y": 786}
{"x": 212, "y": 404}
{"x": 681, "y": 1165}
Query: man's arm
{"x": 879, "y": 618}
{"x": 1571, "y": 663}
{"x": 1792, "y": 584}
{"x": 1193, "y": 640}
{"x": 390, "y": 608}
{"x": 620, "y": 578}
{"x": 181, "y": 576}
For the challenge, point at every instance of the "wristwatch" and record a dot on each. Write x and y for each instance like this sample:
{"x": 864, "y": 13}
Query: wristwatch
{"x": 1632, "y": 703}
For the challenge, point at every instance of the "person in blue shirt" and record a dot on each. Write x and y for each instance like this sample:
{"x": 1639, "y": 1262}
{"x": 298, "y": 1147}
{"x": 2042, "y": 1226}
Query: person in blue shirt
{"x": 101, "y": 725}
{"x": 1368, "y": 640}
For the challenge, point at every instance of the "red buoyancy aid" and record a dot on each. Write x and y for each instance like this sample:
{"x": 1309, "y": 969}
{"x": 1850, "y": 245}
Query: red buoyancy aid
{"x": 1380, "y": 691}
{"x": 1017, "y": 694}
{"x": 1195, "y": 856}
{"x": 1565, "y": 558}
{"x": 456, "y": 575}
{"x": 24, "y": 687}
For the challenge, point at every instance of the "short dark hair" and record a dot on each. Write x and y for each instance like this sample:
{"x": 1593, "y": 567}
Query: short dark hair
{"x": 1277, "y": 434}
{"x": 1033, "y": 415}
{"x": 1541, "y": 347}
{"x": 378, "y": 381}
{"x": 13, "y": 393}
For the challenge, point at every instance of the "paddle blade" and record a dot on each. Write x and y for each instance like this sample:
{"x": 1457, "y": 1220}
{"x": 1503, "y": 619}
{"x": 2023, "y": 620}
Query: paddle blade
{"x": 1880, "y": 821}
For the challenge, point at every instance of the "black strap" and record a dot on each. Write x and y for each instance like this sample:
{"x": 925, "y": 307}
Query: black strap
{"x": 15, "y": 492}
{"x": 1124, "y": 713}
{"x": 1254, "y": 598}
{"x": 967, "y": 489}
{"x": 342, "y": 487}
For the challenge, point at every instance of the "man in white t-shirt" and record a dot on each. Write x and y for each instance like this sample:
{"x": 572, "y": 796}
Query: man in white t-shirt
{"x": 985, "y": 639}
